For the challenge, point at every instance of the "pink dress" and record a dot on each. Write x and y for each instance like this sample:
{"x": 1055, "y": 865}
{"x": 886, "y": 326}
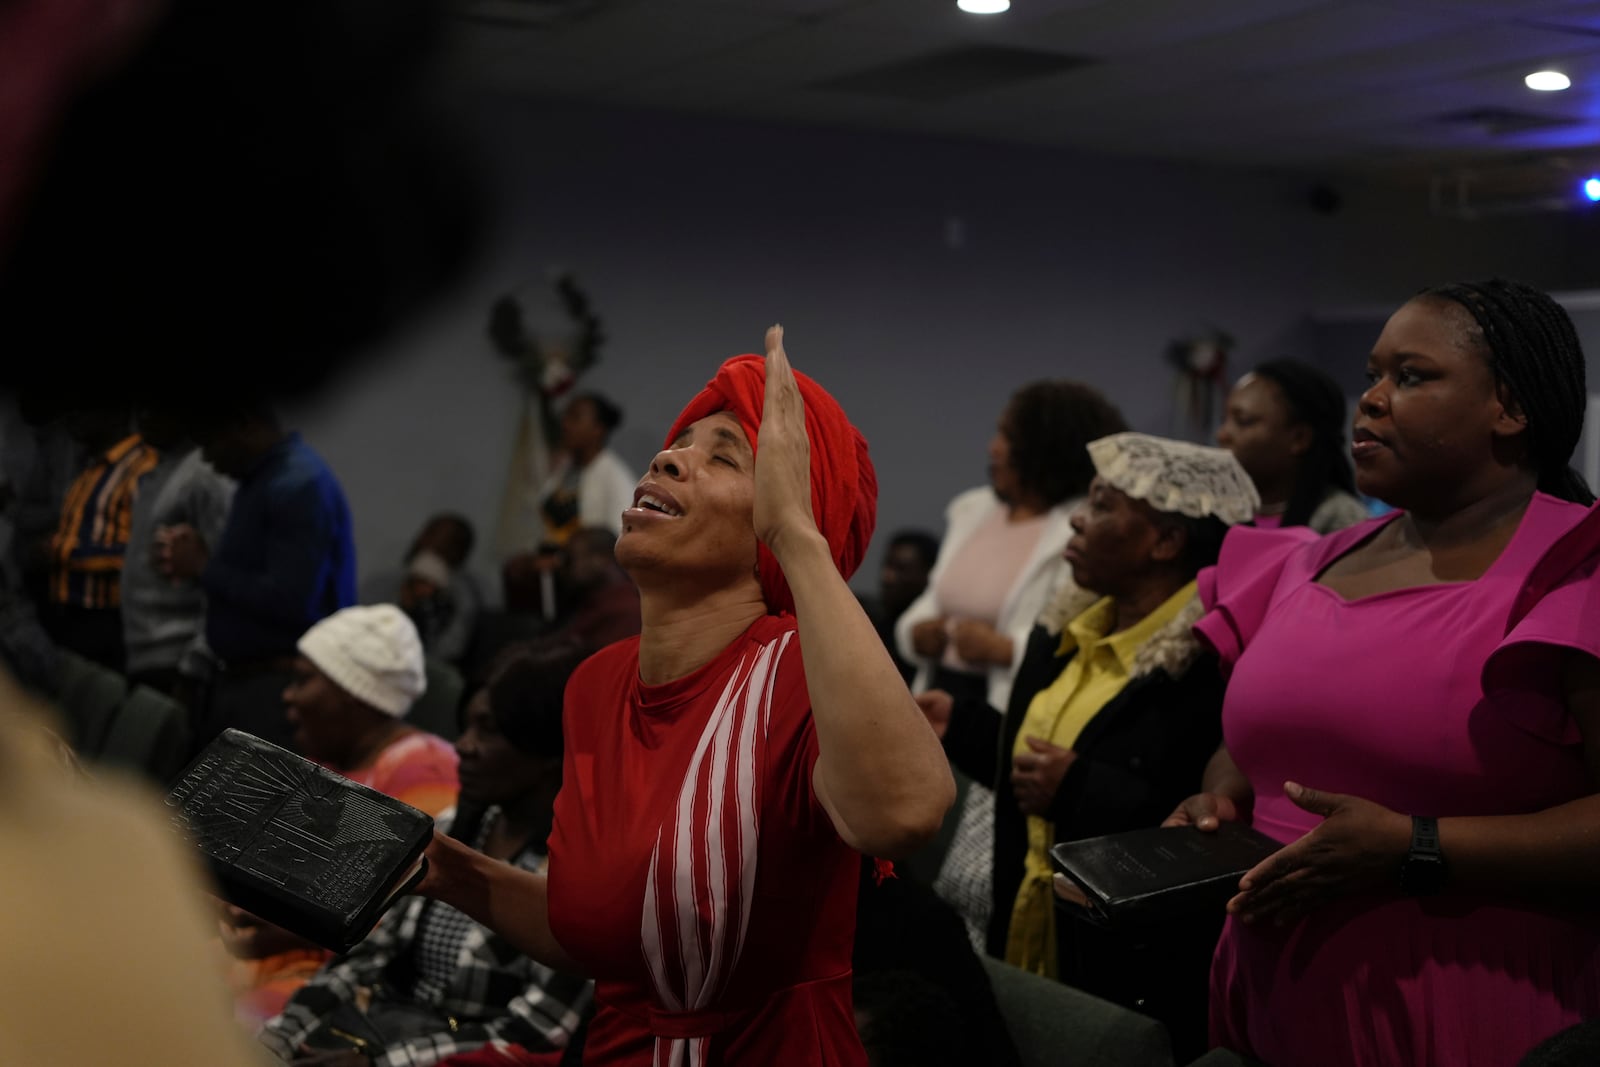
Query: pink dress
{"x": 1436, "y": 700}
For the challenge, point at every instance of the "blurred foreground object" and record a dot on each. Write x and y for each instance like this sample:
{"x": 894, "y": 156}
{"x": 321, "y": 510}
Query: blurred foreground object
{"x": 203, "y": 194}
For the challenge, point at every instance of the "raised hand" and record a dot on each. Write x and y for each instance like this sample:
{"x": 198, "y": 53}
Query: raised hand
{"x": 783, "y": 462}
{"x": 1359, "y": 846}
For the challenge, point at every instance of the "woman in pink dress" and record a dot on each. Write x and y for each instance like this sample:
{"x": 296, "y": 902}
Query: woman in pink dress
{"x": 1414, "y": 710}
{"x": 717, "y": 788}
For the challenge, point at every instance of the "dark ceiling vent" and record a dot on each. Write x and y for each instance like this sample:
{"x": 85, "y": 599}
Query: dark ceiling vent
{"x": 1503, "y": 121}
{"x": 952, "y": 74}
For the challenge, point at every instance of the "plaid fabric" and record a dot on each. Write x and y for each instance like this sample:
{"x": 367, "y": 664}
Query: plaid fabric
{"x": 495, "y": 995}
{"x": 440, "y": 934}
{"x": 966, "y": 878}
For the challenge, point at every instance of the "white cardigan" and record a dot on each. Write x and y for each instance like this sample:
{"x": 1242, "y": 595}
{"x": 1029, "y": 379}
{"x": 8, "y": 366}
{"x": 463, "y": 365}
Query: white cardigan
{"x": 1036, "y": 586}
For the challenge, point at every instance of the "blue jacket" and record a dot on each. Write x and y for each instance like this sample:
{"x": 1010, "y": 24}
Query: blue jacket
{"x": 286, "y": 558}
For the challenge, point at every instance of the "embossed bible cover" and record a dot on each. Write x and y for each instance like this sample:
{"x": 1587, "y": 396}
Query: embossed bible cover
{"x": 295, "y": 843}
{"x": 1150, "y": 875}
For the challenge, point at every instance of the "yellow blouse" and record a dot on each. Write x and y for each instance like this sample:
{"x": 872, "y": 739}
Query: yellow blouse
{"x": 1057, "y": 714}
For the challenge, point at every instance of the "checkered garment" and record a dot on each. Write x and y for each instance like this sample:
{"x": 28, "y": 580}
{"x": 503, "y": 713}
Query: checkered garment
{"x": 496, "y": 994}
{"x": 966, "y": 877}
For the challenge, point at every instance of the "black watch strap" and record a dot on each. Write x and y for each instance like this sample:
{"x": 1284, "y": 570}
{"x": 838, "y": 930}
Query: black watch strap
{"x": 1424, "y": 869}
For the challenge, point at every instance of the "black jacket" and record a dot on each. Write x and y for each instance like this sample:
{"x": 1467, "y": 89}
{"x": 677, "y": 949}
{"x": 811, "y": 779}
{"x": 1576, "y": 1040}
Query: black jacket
{"x": 1138, "y": 757}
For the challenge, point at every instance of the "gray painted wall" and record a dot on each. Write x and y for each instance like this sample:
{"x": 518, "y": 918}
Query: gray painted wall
{"x": 921, "y": 280}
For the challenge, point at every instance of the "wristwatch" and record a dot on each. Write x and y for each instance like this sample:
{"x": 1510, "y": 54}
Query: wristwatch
{"x": 1424, "y": 870}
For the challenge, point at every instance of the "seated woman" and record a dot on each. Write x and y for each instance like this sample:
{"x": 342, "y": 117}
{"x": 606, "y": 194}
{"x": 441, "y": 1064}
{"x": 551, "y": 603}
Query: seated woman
{"x": 1116, "y": 707}
{"x": 358, "y": 673}
{"x": 1285, "y": 424}
{"x": 429, "y": 982}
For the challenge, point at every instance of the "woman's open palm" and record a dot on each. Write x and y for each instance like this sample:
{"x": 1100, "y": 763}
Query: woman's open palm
{"x": 783, "y": 460}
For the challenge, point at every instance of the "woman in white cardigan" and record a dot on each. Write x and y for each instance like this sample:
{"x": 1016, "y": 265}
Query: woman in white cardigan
{"x": 999, "y": 566}
{"x": 1036, "y": 581}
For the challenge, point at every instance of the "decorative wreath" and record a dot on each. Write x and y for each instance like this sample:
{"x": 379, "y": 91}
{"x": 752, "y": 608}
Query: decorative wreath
{"x": 546, "y": 369}
{"x": 1204, "y": 355}
{"x": 1201, "y": 362}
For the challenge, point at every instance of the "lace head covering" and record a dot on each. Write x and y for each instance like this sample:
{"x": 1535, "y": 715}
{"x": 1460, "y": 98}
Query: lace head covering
{"x": 1176, "y": 476}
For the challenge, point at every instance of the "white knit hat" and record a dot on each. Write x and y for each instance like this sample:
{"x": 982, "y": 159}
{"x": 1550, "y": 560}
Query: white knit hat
{"x": 372, "y": 653}
{"x": 1169, "y": 475}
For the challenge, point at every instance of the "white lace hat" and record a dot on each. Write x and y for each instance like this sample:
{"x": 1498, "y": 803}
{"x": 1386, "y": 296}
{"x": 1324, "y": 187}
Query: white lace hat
{"x": 1177, "y": 476}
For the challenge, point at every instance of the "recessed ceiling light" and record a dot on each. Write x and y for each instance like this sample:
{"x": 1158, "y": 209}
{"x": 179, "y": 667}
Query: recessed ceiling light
{"x": 1547, "y": 81}
{"x": 984, "y": 7}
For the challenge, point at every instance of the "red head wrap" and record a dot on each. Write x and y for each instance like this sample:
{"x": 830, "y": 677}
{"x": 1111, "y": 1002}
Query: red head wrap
{"x": 844, "y": 487}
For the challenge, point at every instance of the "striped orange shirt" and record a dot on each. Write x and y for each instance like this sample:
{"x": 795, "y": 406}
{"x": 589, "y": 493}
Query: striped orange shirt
{"x": 92, "y": 537}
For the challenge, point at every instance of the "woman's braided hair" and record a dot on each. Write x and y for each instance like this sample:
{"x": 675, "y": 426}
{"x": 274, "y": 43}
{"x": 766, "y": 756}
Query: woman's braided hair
{"x": 1533, "y": 350}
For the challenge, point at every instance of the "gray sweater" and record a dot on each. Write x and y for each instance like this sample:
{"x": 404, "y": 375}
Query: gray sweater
{"x": 161, "y": 620}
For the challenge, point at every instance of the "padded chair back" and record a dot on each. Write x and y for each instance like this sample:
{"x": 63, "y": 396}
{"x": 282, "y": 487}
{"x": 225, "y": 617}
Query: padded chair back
{"x": 148, "y": 736}
{"x": 88, "y": 696}
{"x": 435, "y": 709}
{"x": 1054, "y": 1025}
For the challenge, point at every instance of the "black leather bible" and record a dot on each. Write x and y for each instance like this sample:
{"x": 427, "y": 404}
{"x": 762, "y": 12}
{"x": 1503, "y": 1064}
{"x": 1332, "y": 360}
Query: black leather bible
{"x": 1148, "y": 876}
{"x": 296, "y": 844}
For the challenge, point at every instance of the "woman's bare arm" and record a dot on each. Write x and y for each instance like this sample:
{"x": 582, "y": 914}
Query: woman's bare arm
{"x": 881, "y": 773}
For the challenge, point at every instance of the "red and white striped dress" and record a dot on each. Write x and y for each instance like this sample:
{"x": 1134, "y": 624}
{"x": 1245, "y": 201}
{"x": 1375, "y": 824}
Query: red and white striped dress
{"x": 693, "y": 872}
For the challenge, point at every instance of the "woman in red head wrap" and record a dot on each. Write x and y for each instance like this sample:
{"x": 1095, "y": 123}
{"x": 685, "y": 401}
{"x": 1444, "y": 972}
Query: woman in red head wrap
{"x": 718, "y": 787}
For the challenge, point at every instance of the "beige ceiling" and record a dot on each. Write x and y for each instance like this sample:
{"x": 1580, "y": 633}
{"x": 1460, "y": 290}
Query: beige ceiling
{"x": 1354, "y": 84}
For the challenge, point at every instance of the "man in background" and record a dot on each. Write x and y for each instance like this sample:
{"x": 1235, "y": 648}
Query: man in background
{"x": 284, "y": 561}
{"x": 163, "y": 617}
{"x": 82, "y": 609}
